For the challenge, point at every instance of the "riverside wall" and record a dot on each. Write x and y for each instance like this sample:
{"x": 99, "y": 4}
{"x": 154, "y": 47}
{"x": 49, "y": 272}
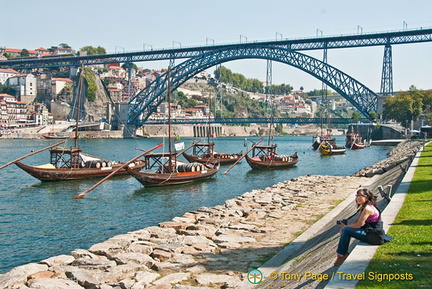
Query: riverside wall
{"x": 162, "y": 131}
{"x": 205, "y": 248}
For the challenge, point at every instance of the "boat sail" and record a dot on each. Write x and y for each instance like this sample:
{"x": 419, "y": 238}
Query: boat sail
{"x": 71, "y": 163}
{"x": 162, "y": 169}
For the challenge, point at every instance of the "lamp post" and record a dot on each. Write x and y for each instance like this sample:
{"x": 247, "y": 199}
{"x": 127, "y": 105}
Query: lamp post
{"x": 277, "y": 33}
{"x": 242, "y": 36}
{"x": 359, "y": 29}
{"x": 207, "y": 40}
{"x": 115, "y": 48}
{"x": 144, "y": 45}
{"x": 319, "y": 32}
{"x": 177, "y": 43}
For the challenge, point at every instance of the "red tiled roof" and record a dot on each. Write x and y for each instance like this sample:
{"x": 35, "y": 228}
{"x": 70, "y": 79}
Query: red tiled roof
{"x": 8, "y": 70}
{"x": 5, "y": 95}
{"x": 16, "y": 50}
{"x": 62, "y": 79}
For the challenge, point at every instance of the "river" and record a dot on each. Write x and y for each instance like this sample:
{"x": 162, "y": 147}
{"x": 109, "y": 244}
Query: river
{"x": 39, "y": 220}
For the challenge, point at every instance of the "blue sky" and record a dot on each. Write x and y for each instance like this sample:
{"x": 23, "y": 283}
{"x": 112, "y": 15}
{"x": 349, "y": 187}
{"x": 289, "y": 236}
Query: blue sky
{"x": 131, "y": 24}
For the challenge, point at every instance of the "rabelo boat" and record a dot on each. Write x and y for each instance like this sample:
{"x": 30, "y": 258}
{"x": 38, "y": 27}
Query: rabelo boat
{"x": 72, "y": 164}
{"x": 162, "y": 169}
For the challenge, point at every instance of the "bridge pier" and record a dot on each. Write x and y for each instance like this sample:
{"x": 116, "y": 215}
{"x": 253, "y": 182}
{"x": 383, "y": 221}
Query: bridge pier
{"x": 203, "y": 131}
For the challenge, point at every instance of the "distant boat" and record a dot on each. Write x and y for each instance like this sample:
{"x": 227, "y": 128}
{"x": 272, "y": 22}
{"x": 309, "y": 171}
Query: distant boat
{"x": 321, "y": 139}
{"x": 354, "y": 141}
{"x": 265, "y": 157}
{"x": 55, "y": 136}
{"x": 205, "y": 152}
{"x": 327, "y": 148}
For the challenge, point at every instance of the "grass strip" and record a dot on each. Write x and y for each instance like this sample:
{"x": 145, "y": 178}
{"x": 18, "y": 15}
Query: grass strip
{"x": 405, "y": 262}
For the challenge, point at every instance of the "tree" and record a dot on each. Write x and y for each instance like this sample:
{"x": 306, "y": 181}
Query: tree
{"x": 7, "y": 89}
{"x": 93, "y": 50}
{"x": 126, "y": 66}
{"x": 355, "y": 116}
{"x": 373, "y": 115}
{"x": 64, "y": 45}
{"x": 24, "y": 53}
{"x": 403, "y": 108}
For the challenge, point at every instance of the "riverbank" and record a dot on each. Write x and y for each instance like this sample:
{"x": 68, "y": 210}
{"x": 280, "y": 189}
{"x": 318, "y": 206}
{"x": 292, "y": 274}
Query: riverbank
{"x": 162, "y": 131}
{"x": 209, "y": 247}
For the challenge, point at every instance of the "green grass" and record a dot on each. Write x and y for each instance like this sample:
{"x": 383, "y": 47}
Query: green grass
{"x": 409, "y": 254}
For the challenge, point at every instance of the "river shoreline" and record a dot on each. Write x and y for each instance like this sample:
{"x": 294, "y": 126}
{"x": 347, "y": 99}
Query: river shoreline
{"x": 162, "y": 131}
{"x": 204, "y": 248}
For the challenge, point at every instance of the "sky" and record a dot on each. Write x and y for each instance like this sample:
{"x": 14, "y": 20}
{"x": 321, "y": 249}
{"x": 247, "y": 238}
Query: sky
{"x": 132, "y": 25}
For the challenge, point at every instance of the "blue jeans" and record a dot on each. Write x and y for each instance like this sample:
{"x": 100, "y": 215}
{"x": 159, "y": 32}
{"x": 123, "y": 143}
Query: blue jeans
{"x": 345, "y": 239}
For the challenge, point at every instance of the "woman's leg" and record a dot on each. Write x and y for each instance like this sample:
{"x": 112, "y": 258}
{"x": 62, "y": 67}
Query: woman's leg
{"x": 345, "y": 238}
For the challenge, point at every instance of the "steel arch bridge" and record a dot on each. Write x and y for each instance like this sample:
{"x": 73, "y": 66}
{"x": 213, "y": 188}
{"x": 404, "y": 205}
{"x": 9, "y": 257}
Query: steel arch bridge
{"x": 143, "y": 104}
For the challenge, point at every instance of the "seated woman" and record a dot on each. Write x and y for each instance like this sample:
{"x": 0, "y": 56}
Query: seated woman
{"x": 368, "y": 214}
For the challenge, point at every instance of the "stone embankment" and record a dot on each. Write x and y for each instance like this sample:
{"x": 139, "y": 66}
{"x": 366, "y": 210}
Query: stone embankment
{"x": 207, "y": 248}
{"x": 400, "y": 154}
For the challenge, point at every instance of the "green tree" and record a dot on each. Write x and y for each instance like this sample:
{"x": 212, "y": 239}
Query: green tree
{"x": 24, "y": 53}
{"x": 90, "y": 78}
{"x": 373, "y": 115}
{"x": 403, "y": 108}
{"x": 355, "y": 116}
{"x": 126, "y": 66}
{"x": 93, "y": 50}
{"x": 7, "y": 89}
{"x": 64, "y": 45}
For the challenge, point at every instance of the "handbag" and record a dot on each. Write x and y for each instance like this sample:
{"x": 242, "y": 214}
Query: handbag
{"x": 375, "y": 234}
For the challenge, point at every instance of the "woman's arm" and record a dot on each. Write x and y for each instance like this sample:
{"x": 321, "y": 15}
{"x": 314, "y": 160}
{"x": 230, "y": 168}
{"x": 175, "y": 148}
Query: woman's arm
{"x": 365, "y": 213}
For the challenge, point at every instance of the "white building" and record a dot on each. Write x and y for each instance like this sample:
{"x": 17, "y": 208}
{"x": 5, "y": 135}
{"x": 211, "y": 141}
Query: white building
{"x": 6, "y": 73}
{"x": 24, "y": 86}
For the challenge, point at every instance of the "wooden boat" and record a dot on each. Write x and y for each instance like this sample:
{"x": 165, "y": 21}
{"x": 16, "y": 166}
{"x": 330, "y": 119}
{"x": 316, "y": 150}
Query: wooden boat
{"x": 72, "y": 164}
{"x": 205, "y": 152}
{"x": 321, "y": 139}
{"x": 163, "y": 169}
{"x": 54, "y": 136}
{"x": 265, "y": 157}
{"x": 331, "y": 149}
{"x": 354, "y": 141}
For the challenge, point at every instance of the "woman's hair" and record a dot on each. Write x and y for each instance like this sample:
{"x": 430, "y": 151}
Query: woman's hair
{"x": 371, "y": 198}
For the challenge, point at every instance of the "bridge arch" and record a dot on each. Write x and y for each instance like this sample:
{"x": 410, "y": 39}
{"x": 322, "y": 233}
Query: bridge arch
{"x": 142, "y": 105}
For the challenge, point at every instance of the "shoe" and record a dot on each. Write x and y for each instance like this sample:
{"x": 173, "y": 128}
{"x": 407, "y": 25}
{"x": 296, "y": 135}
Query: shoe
{"x": 340, "y": 260}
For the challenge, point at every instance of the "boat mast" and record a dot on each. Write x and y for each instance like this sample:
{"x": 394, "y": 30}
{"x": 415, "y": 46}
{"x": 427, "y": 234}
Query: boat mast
{"x": 169, "y": 110}
{"x": 79, "y": 105}
{"x": 271, "y": 122}
{"x": 208, "y": 128}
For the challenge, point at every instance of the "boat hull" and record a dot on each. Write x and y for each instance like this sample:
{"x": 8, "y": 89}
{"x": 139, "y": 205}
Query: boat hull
{"x": 225, "y": 159}
{"x": 329, "y": 150}
{"x": 151, "y": 179}
{"x": 270, "y": 164}
{"x": 356, "y": 146}
{"x": 60, "y": 174}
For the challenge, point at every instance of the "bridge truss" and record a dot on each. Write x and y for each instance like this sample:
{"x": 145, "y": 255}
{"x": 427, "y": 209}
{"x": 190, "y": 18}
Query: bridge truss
{"x": 146, "y": 101}
{"x": 285, "y": 51}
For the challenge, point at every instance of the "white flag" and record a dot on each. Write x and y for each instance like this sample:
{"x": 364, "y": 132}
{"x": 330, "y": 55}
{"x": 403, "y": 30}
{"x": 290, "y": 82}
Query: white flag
{"x": 179, "y": 146}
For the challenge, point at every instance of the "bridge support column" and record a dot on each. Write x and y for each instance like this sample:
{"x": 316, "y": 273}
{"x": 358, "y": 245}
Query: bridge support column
{"x": 387, "y": 72}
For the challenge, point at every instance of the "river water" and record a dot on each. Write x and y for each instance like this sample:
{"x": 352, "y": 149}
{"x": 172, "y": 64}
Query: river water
{"x": 39, "y": 220}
